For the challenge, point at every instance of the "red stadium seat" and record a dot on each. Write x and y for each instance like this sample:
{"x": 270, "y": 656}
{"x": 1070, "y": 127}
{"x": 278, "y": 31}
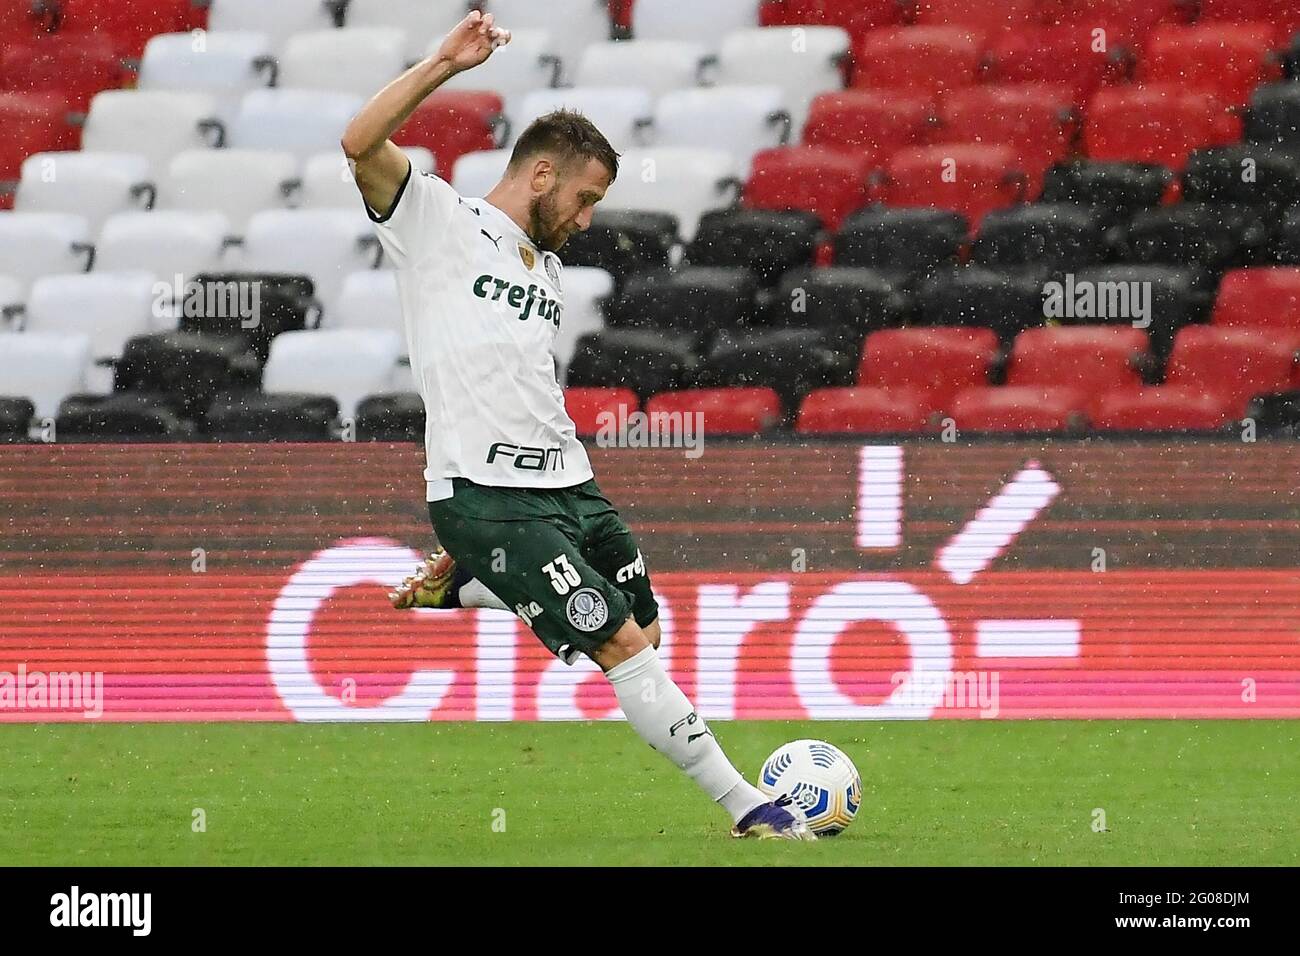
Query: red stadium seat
{"x": 1226, "y": 59}
{"x": 1093, "y": 358}
{"x": 586, "y": 405}
{"x": 128, "y": 23}
{"x": 989, "y": 18}
{"x": 1156, "y": 124}
{"x": 1162, "y": 408}
{"x": 858, "y": 17}
{"x": 861, "y": 410}
{"x": 871, "y": 122}
{"x": 933, "y": 363}
{"x": 1057, "y": 55}
{"x": 1124, "y": 21}
{"x": 76, "y": 66}
{"x": 32, "y": 123}
{"x": 1284, "y": 17}
{"x": 1019, "y": 408}
{"x": 727, "y": 411}
{"x": 451, "y": 123}
{"x": 1032, "y": 118}
{"x": 920, "y": 58}
{"x": 960, "y": 177}
{"x": 820, "y": 180}
{"x": 620, "y": 13}
{"x": 1235, "y": 363}
{"x": 1265, "y": 297}
{"x": 20, "y": 21}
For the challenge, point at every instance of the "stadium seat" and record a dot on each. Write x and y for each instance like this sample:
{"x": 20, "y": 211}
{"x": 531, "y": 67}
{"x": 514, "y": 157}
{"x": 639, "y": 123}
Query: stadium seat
{"x": 845, "y": 302}
{"x": 186, "y": 369}
{"x": 1176, "y": 298}
{"x": 874, "y": 123}
{"x": 1158, "y": 123}
{"x": 1235, "y": 363}
{"x": 1227, "y": 60}
{"x": 451, "y": 123}
{"x": 44, "y": 367}
{"x": 238, "y": 182}
{"x": 1060, "y": 235}
{"x": 1161, "y": 408}
{"x": 327, "y": 181}
{"x": 1285, "y": 18}
{"x": 591, "y": 407}
{"x": 743, "y": 120}
{"x": 1034, "y": 119}
{"x": 154, "y": 123}
{"x": 120, "y": 417}
{"x": 621, "y": 112}
{"x": 1051, "y": 409}
{"x": 278, "y": 21}
{"x": 225, "y": 65}
{"x": 766, "y": 242}
{"x": 1005, "y": 300}
{"x": 679, "y": 180}
{"x": 964, "y": 178}
{"x": 345, "y": 364}
{"x": 623, "y": 243}
{"x": 586, "y": 290}
{"x": 20, "y": 21}
{"x": 658, "y": 66}
{"x": 793, "y": 362}
{"x": 1212, "y": 238}
{"x": 1114, "y": 191}
{"x": 36, "y": 244}
{"x": 474, "y": 174}
{"x": 167, "y": 244}
{"x": 360, "y": 60}
{"x": 253, "y": 416}
{"x": 285, "y": 303}
{"x": 644, "y": 361}
{"x": 528, "y": 62}
{"x": 1274, "y": 116}
{"x": 858, "y": 17}
{"x": 13, "y": 293}
{"x": 574, "y": 25}
{"x": 85, "y": 184}
{"x": 396, "y": 416}
{"x": 368, "y": 300}
{"x": 15, "y": 418}
{"x": 1005, "y": 16}
{"x": 1260, "y": 298}
{"x": 1220, "y": 176}
{"x": 32, "y": 123}
{"x": 302, "y": 122}
{"x": 931, "y": 364}
{"x": 693, "y": 303}
{"x": 726, "y": 411}
{"x": 74, "y": 66}
{"x": 1276, "y": 414}
{"x": 802, "y": 69}
{"x": 423, "y": 21}
{"x": 920, "y": 241}
{"x": 1091, "y": 358}
{"x": 827, "y": 183}
{"x": 926, "y": 59}
{"x": 860, "y": 410}
{"x": 325, "y": 244}
{"x": 1285, "y": 247}
{"x": 127, "y": 23}
{"x": 1124, "y": 22}
{"x": 1059, "y": 55}
{"x": 673, "y": 20}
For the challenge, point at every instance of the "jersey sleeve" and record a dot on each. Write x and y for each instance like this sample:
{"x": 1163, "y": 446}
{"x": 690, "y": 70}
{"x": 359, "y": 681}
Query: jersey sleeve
{"x": 418, "y": 218}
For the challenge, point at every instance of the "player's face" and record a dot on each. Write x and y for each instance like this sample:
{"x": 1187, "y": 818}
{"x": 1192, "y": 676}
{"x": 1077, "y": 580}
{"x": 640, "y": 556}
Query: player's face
{"x": 567, "y": 207}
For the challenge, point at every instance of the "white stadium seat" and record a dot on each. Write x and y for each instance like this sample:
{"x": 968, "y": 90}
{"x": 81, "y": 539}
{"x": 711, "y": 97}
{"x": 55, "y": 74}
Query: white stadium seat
{"x": 683, "y": 181}
{"x": 574, "y": 24}
{"x": 348, "y": 364}
{"x": 741, "y": 119}
{"x": 803, "y": 63}
{"x": 368, "y": 301}
{"x": 36, "y": 244}
{"x": 584, "y": 288}
{"x": 325, "y": 244}
{"x": 327, "y": 181}
{"x": 425, "y": 21}
{"x": 155, "y": 123}
{"x": 167, "y": 244}
{"x": 224, "y": 64}
{"x": 13, "y": 291}
{"x": 475, "y": 174}
{"x": 706, "y": 22}
{"x": 619, "y": 111}
{"x": 654, "y": 65}
{"x": 43, "y": 368}
{"x": 86, "y": 184}
{"x": 278, "y": 19}
{"x": 528, "y": 62}
{"x": 360, "y": 61}
{"x": 238, "y": 182}
{"x": 302, "y": 122}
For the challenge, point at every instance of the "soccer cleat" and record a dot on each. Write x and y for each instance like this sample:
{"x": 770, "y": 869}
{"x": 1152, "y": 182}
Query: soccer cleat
{"x": 772, "y": 821}
{"x": 434, "y": 584}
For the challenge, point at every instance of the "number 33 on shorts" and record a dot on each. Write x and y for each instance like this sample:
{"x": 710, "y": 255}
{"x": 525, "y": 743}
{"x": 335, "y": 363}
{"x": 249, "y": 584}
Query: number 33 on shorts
{"x": 564, "y": 576}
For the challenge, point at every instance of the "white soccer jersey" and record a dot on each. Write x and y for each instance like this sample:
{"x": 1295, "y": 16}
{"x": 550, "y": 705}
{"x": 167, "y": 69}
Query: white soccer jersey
{"x": 481, "y": 305}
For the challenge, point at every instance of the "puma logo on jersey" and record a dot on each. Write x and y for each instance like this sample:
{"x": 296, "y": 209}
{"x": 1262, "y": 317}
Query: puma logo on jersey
{"x": 495, "y": 241}
{"x": 527, "y": 301}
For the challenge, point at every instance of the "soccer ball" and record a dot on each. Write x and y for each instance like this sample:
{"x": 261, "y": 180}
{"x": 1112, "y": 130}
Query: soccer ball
{"x": 820, "y": 779}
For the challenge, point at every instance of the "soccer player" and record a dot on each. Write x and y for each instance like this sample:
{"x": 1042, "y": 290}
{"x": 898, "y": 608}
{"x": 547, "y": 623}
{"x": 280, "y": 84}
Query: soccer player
{"x": 509, "y": 486}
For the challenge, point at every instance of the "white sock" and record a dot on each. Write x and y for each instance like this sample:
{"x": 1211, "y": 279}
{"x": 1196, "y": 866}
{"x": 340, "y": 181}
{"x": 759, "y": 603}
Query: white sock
{"x": 474, "y": 593}
{"x": 660, "y": 713}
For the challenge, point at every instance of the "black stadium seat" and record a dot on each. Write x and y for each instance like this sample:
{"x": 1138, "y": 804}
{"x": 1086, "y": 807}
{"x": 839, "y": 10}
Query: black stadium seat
{"x": 1277, "y": 414}
{"x": 1212, "y": 238}
{"x": 15, "y": 416}
{"x": 1114, "y": 191}
{"x": 395, "y": 417}
{"x": 122, "y": 416}
{"x": 1274, "y": 116}
{"x": 1059, "y": 235}
{"x": 1285, "y": 247}
{"x": 1251, "y": 176}
{"x": 286, "y": 303}
{"x": 845, "y": 302}
{"x": 768, "y": 242}
{"x": 646, "y": 361}
{"x": 923, "y": 241}
{"x": 254, "y": 416}
{"x": 622, "y": 242}
{"x": 696, "y": 301}
{"x": 187, "y": 367}
{"x": 1008, "y": 301}
{"x": 792, "y": 362}
{"x": 1179, "y": 297}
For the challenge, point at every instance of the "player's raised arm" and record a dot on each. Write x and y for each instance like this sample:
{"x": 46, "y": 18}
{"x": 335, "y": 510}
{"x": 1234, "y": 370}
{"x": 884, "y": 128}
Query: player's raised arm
{"x": 380, "y": 165}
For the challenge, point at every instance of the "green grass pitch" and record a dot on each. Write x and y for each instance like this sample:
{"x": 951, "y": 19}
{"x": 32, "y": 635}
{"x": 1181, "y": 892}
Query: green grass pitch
{"x": 936, "y": 793}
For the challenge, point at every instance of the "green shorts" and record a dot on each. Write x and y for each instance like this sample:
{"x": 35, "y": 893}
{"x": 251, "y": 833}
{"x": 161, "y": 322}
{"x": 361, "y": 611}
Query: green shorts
{"x": 560, "y": 558}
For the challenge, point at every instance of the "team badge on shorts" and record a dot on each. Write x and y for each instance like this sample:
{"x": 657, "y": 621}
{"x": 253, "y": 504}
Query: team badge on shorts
{"x": 553, "y": 268}
{"x": 587, "y": 610}
{"x": 527, "y": 256}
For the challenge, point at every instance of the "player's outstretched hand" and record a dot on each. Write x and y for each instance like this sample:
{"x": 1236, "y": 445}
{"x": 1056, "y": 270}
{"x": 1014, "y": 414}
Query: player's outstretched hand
{"x": 472, "y": 41}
